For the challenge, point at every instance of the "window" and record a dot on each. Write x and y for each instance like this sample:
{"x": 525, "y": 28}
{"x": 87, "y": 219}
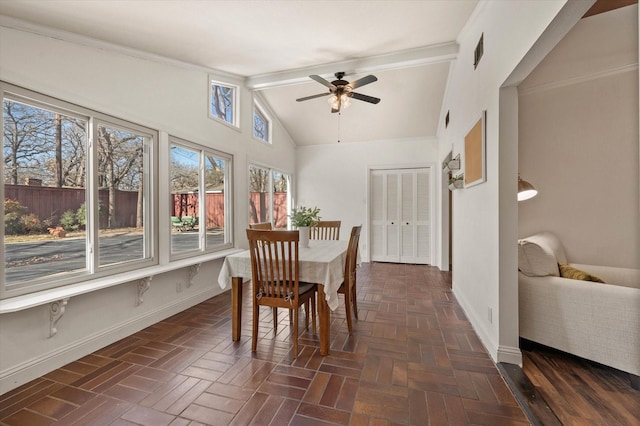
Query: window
{"x": 223, "y": 102}
{"x": 261, "y": 124}
{"x": 72, "y": 208}
{"x": 200, "y": 204}
{"x": 269, "y": 198}
{"x": 123, "y": 187}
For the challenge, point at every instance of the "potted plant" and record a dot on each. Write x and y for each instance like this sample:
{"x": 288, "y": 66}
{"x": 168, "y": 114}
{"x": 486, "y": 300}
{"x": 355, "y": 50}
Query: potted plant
{"x": 456, "y": 182}
{"x": 303, "y": 218}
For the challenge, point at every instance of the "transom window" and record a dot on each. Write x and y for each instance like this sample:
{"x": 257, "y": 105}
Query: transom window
{"x": 200, "y": 202}
{"x": 223, "y": 102}
{"x": 269, "y": 196}
{"x": 261, "y": 124}
{"x": 78, "y": 196}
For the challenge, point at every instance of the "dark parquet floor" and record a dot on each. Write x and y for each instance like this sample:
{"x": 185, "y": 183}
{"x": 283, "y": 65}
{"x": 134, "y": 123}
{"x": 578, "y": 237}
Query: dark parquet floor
{"x": 578, "y": 391}
{"x": 413, "y": 359}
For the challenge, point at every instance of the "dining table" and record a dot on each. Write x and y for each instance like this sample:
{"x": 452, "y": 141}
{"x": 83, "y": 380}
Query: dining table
{"x": 322, "y": 263}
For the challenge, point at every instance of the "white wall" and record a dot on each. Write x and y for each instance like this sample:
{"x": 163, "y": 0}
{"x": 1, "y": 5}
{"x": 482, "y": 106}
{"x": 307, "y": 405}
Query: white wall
{"x": 579, "y": 142}
{"x": 170, "y": 98}
{"x": 334, "y": 177}
{"x": 485, "y": 216}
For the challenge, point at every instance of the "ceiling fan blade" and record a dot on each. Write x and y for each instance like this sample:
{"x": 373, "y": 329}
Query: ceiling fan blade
{"x": 365, "y": 98}
{"x": 361, "y": 82}
{"x": 322, "y": 81}
{"x": 306, "y": 98}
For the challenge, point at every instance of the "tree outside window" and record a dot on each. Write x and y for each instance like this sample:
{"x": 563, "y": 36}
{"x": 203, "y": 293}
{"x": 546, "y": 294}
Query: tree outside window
{"x": 223, "y": 102}
{"x": 261, "y": 125}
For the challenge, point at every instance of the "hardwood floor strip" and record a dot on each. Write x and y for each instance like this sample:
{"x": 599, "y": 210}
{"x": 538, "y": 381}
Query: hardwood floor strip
{"x": 533, "y": 404}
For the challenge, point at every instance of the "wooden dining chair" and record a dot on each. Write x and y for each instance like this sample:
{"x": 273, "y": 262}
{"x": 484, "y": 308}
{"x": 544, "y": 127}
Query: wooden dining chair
{"x": 268, "y": 226}
{"x": 275, "y": 278}
{"x": 265, "y": 226}
{"x": 348, "y": 286}
{"x": 326, "y": 230}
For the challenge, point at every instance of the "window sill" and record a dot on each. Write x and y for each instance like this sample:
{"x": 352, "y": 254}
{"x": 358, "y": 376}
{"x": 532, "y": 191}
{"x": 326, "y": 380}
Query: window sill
{"x": 20, "y": 303}
{"x": 262, "y": 141}
{"x": 234, "y": 126}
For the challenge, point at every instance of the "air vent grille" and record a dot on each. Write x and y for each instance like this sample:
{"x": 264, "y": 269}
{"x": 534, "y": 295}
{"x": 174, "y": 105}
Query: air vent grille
{"x": 477, "y": 53}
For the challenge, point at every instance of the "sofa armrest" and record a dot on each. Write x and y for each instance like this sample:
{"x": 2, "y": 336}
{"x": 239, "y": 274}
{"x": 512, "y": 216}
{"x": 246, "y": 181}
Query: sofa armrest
{"x": 626, "y": 277}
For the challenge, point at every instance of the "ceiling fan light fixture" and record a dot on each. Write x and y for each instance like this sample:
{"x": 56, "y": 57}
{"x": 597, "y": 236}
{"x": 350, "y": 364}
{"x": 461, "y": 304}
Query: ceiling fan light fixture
{"x": 338, "y": 102}
{"x": 345, "y": 101}
{"x": 341, "y": 91}
{"x": 333, "y": 101}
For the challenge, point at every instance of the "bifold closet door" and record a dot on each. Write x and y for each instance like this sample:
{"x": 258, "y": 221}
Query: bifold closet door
{"x": 401, "y": 215}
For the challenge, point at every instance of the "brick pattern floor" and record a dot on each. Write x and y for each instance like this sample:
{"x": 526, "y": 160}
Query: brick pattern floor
{"x": 413, "y": 359}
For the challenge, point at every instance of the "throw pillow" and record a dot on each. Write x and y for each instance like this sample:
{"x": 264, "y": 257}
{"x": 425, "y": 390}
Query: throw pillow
{"x": 539, "y": 255}
{"x": 567, "y": 271}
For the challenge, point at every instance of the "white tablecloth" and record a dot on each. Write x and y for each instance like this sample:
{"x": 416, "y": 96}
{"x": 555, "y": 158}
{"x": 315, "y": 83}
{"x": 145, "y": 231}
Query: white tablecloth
{"x": 322, "y": 262}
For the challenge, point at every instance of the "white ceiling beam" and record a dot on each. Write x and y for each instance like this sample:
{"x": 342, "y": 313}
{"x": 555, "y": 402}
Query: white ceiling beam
{"x": 402, "y": 59}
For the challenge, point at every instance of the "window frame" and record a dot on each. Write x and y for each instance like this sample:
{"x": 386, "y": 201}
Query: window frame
{"x": 271, "y": 171}
{"x": 92, "y": 269}
{"x": 235, "y": 109}
{"x": 261, "y": 111}
{"x": 204, "y": 152}
{"x": 150, "y": 216}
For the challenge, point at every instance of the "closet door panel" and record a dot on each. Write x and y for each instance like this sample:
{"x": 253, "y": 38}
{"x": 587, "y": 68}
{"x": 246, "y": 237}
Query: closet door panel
{"x": 423, "y": 217}
{"x": 400, "y": 217}
{"x": 377, "y": 216}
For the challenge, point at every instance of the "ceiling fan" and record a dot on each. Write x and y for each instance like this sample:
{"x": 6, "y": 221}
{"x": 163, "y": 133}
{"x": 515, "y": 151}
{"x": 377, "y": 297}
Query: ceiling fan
{"x": 341, "y": 91}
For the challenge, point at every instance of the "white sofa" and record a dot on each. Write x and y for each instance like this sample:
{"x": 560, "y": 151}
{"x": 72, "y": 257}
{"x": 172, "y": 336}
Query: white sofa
{"x": 596, "y": 321}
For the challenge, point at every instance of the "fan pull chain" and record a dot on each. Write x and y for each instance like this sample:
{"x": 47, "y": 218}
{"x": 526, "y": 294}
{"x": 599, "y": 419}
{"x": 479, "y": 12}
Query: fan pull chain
{"x": 339, "y": 113}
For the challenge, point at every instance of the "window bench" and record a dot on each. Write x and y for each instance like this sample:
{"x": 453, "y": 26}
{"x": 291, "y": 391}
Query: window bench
{"x": 27, "y": 301}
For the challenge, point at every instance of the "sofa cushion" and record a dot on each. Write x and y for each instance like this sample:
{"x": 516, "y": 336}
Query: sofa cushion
{"x": 540, "y": 254}
{"x": 568, "y": 271}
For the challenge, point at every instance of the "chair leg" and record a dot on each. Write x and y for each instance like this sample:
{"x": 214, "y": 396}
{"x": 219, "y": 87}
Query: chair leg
{"x": 313, "y": 313}
{"x": 306, "y": 314}
{"x": 347, "y": 308}
{"x": 295, "y": 332}
{"x": 355, "y": 302}
{"x": 254, "y": 335}
{"x": 275, "y": 318}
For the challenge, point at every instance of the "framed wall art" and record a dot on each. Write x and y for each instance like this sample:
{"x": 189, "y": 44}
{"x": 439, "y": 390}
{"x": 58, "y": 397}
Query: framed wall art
{"x": 475, "y": 169}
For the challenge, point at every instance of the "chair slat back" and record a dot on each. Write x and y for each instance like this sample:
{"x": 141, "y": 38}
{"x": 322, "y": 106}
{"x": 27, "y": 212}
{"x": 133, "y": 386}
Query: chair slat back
{"x": 352, "y": 257}
{"x": 266, "y": 226}
{"x": 274, "y": 266}
{"x": 326, "y": 230}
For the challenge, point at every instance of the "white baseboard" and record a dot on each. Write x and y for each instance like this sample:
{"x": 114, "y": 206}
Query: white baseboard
{"x": 23, "y": 373}
{"x": 510, "y": 355}
{"x": 498, "y": 353}
{"x": 489, "y": 345}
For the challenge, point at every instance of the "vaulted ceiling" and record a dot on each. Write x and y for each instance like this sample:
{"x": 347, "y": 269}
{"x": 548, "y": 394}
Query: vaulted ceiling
{"x": 276, "y": 45}
{"x": 408, "y": 45}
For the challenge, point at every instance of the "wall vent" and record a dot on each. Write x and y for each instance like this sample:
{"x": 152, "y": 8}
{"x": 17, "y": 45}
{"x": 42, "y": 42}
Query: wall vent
{"x": 477, "y": 54}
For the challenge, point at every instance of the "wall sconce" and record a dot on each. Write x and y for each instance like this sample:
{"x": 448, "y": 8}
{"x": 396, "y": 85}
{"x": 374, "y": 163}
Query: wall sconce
{"x": 525, "y": 190}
